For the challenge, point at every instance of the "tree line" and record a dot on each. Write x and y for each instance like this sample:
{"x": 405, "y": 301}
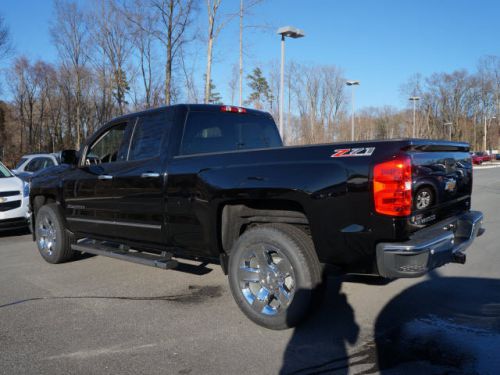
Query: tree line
{"x": 117, "y": 56}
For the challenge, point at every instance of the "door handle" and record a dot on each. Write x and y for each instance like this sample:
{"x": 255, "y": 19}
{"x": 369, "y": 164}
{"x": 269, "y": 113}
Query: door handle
{"x": 104, "y": 177}
{"x": 150, "y": 175}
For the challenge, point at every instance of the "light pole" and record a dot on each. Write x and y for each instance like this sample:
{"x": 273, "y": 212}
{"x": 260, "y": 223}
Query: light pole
{"x": 295, "y": 33}
{"x": 352, "y": 84}
{"x": 414, "y": 99}
{"x": 486, "y": 131}
{"x": 449, "y": 124}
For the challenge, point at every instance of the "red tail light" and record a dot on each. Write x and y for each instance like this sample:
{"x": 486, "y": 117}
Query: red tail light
{"x": 228, "y": 108}
{"x": 392, "y": 187}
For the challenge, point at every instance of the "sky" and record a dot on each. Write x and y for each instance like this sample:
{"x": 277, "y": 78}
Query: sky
{"x": 381, "y": 43}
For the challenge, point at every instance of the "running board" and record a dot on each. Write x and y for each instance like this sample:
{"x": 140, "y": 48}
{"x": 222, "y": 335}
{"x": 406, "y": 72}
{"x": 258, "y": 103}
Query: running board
{"x": 112, "y": 250}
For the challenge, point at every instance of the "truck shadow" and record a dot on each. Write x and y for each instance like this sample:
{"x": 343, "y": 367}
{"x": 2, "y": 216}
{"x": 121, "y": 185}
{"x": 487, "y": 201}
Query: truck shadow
{"x": 444, "y": 325}
{"x": 319, "y": 344}
{"x": 440, "y": 325}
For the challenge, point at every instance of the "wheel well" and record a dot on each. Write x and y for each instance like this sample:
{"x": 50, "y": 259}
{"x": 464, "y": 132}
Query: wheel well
{"x": 40, "y": 200}
{"x": 234, "y": 219}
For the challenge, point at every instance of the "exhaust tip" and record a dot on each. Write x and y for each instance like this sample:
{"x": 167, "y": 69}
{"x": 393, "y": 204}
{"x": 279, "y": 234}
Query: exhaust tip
{"x": 459, "y": 257}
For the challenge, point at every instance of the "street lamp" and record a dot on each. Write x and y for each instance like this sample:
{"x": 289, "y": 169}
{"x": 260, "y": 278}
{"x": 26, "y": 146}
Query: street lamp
{"x": 414, "y": 99}
{"x": 352, "y": 84}
{"x": 449, "y": 124}
{"x": 291, "y": 32}
{"x": 486, "y": 131}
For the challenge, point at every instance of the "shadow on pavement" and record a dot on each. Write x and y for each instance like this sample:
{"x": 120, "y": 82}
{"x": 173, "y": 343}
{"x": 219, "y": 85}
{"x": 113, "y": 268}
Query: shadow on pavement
{"x": 319, "y": 344}
{"x": 442, "y": 325}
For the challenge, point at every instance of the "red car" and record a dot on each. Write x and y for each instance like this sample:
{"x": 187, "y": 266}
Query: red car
{"x": 476, "y": 159}
{"x": 483, "y": 155}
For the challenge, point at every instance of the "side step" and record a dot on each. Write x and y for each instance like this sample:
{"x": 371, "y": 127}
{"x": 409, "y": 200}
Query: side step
{"x": 112, "y": 250}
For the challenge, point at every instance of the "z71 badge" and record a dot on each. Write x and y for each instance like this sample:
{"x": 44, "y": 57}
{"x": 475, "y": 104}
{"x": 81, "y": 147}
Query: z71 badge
{"x": 346, "y": 152}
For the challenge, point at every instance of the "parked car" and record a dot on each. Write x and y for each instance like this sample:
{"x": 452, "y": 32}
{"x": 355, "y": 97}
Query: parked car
{"x": 478, "y": 160}
{"x": 483, "y": 155}
{"x": 216, "y": 184}
{"x": 33, "y": 163}
{"x": 497, "y": 157}
{"x": 14, "y": 201}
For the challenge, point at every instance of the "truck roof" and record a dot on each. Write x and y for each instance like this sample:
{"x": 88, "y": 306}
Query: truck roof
{"x": 189, "y": 107}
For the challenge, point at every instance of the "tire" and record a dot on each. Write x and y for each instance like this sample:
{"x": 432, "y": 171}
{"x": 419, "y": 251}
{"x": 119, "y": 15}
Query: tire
{"x": 52, "y": 239}
{"x": 274, "y": 275}
{"x": 424, "y": 198}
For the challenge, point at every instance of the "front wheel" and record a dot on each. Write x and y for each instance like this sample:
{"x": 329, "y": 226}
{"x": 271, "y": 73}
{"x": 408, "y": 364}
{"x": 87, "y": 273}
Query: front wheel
{"x": 274, "y": 275}
{"x": 54, "y": 243}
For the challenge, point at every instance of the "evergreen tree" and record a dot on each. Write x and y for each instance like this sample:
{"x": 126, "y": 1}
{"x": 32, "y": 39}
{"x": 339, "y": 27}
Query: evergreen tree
{"x": 214, "y": 96}
{"x": 261, "y": 92}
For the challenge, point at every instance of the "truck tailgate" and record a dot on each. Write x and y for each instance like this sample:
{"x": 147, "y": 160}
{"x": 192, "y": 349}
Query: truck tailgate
{"x": 441, "y": 181}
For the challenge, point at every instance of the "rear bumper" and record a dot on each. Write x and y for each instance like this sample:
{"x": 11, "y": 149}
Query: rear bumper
{"x": 431, "y": 247}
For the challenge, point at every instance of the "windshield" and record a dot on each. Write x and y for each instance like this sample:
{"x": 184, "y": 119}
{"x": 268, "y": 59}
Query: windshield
{"x": 4, "y": 172}
{"x": 21, "y": 162}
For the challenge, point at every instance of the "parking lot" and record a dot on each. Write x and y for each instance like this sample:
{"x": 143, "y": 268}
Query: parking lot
{"x": 98, "y": 315}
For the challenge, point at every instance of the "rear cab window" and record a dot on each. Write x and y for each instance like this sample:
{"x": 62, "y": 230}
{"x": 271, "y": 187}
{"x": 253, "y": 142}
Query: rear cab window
{"x": 148, "y": 136}
{"x": 209, "y": 131}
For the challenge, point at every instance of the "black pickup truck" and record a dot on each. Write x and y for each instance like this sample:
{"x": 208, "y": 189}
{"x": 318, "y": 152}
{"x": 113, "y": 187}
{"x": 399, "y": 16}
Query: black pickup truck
{"x": 216, "y": 184}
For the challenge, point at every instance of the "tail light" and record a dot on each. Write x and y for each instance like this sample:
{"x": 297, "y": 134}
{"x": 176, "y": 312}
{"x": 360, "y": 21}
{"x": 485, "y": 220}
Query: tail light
{"x": 228, "y": 108}
{"x": 392, "y": 187}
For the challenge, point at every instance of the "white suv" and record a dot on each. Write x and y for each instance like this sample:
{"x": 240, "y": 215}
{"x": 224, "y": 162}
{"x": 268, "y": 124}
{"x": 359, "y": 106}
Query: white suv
{"x": 32, "y": 163}
{"x": 14, "y": 199}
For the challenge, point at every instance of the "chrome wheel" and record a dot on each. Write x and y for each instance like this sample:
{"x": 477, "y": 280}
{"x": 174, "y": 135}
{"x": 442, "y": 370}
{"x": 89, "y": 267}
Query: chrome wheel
{"x": 46, "y": 235}
{"x": 266, "y": 279}
{"x": 424, "y": 199}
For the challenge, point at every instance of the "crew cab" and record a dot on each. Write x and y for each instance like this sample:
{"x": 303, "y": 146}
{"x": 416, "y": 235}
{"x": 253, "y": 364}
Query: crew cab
{"x": 215, "y": 183}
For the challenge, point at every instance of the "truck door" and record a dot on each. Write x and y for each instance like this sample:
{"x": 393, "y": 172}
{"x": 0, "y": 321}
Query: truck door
{"x": 139, "y": 183}
{"x": 89, "y": 195}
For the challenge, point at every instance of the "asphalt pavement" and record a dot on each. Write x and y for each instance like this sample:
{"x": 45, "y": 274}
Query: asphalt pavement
{"x": 98, "y": 315}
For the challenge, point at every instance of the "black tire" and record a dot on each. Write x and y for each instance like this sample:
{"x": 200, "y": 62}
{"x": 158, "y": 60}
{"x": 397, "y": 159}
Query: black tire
{"x": 49, "y": 224}
{"x": 424, "y": 198}
{"x": 279, "y": 241}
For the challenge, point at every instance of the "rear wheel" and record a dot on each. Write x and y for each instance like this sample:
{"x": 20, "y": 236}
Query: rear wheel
{"x": 54, "y": 243}
{"x": 274, "y": 275}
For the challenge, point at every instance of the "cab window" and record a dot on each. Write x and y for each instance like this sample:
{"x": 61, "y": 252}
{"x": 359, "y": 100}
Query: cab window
{"x": 147, "y": 136}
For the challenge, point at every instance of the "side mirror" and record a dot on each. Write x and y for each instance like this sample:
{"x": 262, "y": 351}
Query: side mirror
{"x": 69, "y": 157}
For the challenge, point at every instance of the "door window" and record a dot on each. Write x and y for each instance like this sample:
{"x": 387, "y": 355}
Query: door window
{"x": 108, "y": 148}
{"x": 34, "y": 165}
{"x": 47, "y": 162}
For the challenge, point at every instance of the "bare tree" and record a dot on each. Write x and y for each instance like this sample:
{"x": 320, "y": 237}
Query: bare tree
{"x": 174, "y": 20}
{"x": 214, "y": 28}
{"x": 70, "y": 34}
{"x": 5, "y": 42}
{"x": 233, "y": 83}
{"x": 141, "y": 23}
{"x": 244, "y": 7}
{"x": 114, "y": 40}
